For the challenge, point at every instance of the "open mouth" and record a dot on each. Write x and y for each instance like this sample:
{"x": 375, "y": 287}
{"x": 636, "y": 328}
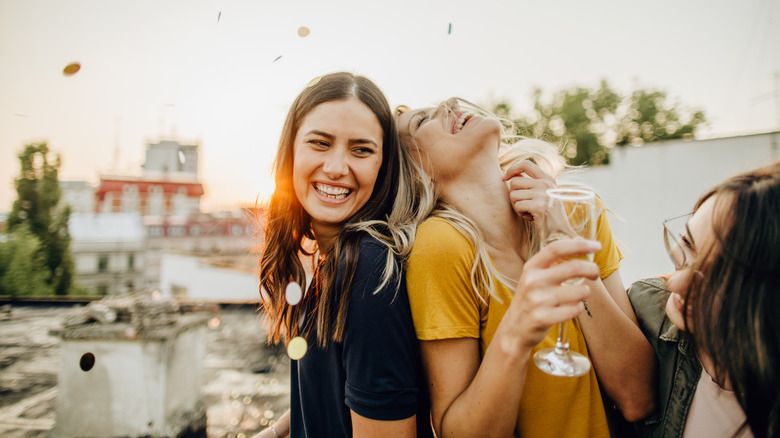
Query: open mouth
{"x": 332, "y": 192}
{"x": 462, "y": 120}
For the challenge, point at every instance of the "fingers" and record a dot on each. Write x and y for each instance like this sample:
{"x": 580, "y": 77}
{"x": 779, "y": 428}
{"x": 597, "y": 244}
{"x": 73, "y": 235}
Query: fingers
{"x": 560, "y": 250}
{"x": 528, "y": 168}
{"x": 527, "y": 188}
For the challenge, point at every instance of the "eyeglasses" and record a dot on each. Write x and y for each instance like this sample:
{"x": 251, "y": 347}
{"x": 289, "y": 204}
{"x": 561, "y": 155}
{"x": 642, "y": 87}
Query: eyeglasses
{"x": 679, "y": 244}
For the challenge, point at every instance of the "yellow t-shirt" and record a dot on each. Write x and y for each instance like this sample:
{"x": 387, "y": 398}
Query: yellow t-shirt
{"x": 445, "y": 306}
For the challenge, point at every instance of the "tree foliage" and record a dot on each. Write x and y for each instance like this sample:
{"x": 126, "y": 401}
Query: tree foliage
{"x": 36, "y": 216}
{"x": 23, "y": 268}
{"x": 586, "y": 123}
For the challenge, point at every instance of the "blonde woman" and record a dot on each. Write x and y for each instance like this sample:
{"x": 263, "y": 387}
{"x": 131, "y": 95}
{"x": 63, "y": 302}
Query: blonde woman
{"x": 484, "y": 297}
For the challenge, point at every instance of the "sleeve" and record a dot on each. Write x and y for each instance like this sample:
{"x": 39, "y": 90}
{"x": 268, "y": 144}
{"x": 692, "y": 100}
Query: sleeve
{"x": 609, "y": 256}
{"x": 444, "y": 304}
{"x": 648, "y": 298}
{"x": 380, "y": 352}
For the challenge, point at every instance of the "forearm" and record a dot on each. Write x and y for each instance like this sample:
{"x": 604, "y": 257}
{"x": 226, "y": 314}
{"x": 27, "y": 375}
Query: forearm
{"x": 281, "y": 428}
{"x": 491, "y": 401}
{"x": 622, "y": 358}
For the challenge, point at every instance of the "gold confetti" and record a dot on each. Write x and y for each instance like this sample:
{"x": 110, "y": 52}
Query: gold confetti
{"x": 303, "y": 31}
{"x": 71, "y": 69}
{"x": 297, "y": 347}
{"x": 314, "y": 81}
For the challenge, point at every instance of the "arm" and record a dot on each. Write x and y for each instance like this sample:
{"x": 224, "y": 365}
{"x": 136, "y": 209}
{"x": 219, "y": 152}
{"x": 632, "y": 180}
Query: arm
{"x": 470, "y": 398}
{"x": 613, "y": 335}
{"x": 363, "y": 427}
{"x": 280, "y": 429}
{"x": 610, "y": 327}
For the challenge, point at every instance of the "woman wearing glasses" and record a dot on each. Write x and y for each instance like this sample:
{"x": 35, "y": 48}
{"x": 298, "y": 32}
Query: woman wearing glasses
{"x": 718, "y": 341}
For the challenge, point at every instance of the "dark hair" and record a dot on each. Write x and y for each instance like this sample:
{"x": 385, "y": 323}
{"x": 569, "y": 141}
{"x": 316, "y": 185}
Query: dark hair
{"x": 288, "y": 232}
{"x": 736, "y": 297}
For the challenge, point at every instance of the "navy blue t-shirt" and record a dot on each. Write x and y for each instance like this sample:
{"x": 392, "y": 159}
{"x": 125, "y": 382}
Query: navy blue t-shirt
{"x": 375, "y": 371}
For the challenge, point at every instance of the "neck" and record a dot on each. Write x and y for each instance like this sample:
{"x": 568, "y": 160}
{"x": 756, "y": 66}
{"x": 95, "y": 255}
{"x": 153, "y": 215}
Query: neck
{"x": 483, "y": 197}
{"x": 709, "y": 368}
{"x": 325, "y": 238}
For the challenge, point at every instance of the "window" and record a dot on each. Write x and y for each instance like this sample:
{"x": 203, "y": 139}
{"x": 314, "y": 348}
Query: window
{"x": 130, "y": 262}
{"x": 102, "y": 263}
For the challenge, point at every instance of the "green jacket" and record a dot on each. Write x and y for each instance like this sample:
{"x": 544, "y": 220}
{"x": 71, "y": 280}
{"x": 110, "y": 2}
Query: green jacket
{"x": 679, "y": 368}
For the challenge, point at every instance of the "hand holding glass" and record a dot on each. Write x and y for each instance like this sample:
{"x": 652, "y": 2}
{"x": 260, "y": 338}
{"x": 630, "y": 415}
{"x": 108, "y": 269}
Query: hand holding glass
{"x": 570, "y": 214}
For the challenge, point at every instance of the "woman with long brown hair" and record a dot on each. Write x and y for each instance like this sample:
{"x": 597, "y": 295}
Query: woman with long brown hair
{"x": 344, "y": 198}
{"x": 714, "y": 323}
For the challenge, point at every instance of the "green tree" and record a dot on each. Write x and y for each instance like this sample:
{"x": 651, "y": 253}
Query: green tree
{"x": 23, "y": 268}
{"x": 37, "y": 208}
{"x": 586, "y": 123}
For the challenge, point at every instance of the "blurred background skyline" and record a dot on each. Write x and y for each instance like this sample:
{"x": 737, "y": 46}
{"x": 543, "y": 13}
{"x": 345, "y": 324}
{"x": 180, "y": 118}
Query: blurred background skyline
{"x": 223, "y": 73}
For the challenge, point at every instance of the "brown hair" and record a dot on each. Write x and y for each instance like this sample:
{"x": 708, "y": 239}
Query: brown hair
{"x": 736, "y": 293}
{"x": 288, "y": 230}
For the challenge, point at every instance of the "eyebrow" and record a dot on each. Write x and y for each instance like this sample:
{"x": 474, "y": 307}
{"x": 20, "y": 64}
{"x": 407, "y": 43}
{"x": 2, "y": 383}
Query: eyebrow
{"x": 351, "y": 140}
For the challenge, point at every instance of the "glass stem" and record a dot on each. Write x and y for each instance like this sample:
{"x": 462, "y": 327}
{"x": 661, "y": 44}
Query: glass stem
{"x": 562, "y": 345}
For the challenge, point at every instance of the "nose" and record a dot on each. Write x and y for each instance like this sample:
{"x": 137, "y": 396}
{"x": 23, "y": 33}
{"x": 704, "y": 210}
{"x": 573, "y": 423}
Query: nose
{"x": 335, "y": 165}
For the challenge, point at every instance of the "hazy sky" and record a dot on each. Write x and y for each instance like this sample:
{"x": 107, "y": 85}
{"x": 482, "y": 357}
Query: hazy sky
{"x": 223, "y": 73}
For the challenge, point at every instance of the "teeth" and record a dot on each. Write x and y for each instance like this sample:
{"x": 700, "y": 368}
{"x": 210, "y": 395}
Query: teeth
{"x": 332, "y": 192}
{"x": 462, "y": 121}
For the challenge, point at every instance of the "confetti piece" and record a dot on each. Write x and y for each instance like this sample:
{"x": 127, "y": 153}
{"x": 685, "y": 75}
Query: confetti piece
{"x": 449, "y": 31}
{"x": 314, "y": 81}
{"x": 303, "y": 31}
{"x": 293, "y": 293}
{"x": 214, "y": 323}
{"x": 219, "y": 16}
{"x": 71, "y": 69}
{"x": 297, "y": 347}
{"x": 277, "y": 58}
{"x": 182, "y": 160}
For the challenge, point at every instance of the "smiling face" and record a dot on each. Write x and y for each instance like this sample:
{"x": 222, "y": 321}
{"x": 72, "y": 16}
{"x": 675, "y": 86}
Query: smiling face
{"x": 337, "y": 157}
{"x": 447, "y": 136}
{"x": 700, "y": 236}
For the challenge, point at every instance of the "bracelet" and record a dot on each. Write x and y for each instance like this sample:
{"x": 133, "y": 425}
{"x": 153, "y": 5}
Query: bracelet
{"x": 274, "y": 431}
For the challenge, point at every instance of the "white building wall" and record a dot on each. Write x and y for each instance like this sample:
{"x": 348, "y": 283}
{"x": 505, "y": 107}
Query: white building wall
{"x": 202, "y": 281}
{"x": 645, "y": 185}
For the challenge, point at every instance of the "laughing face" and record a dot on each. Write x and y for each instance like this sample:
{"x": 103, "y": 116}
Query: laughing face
{"x": 700, "y": 236}
{"x": 337, "y": 157}
{"x": 448, "y": 136}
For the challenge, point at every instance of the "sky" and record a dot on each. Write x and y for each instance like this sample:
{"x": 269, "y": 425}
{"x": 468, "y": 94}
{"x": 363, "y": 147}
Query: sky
{"x": 223, "y": 73}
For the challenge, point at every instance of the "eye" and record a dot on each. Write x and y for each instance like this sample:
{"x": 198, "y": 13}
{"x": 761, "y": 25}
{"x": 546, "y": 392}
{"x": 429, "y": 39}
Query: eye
{"x": 363, "y": 151}
{"x": 317, "y": 143}
{"x": 422, "y": 118}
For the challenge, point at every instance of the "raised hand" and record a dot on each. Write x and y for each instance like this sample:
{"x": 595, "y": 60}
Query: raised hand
{"x": 542, "y": 299}
{"x": 527, "y": 186}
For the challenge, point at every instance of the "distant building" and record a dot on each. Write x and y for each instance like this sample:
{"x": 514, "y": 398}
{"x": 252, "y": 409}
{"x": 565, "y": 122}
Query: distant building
{"x": 109, "y": 251}
{"x": 227, "y": 236}
{"x": 165, "y": 201}
{"x": 79, "y": 195}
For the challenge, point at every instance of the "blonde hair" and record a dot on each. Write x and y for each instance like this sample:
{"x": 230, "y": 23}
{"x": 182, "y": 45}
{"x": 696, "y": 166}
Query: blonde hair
{"x": 511, "y": 149}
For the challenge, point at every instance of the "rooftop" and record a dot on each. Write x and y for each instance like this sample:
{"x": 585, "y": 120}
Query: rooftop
{"x": 246, "y": 383}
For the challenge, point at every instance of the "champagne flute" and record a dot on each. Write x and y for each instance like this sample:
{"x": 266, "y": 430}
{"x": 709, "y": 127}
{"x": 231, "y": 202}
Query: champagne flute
{"x": 570, "y": 214}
